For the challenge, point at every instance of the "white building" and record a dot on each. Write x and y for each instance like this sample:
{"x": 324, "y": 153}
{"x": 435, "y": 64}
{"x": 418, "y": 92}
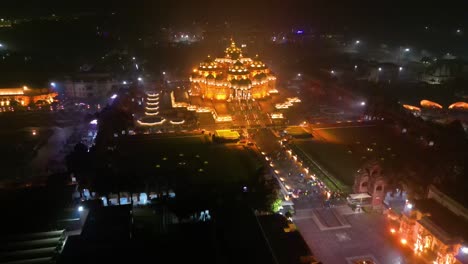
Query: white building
{"x": 90, "y": 86}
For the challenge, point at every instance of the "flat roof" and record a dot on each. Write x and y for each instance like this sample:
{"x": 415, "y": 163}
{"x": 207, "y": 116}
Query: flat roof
{"x": 229, "y": 134}
{"x": 444, "y": 224}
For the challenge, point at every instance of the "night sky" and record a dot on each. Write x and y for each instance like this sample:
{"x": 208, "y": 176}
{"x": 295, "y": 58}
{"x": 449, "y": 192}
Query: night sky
{"x": 332, "y": 13}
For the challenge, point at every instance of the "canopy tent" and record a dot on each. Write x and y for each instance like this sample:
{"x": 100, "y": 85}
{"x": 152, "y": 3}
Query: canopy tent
{"x": 359, "y": 196}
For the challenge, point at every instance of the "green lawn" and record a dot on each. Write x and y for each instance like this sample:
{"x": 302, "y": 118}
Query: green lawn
{"x": 349, "y": 148}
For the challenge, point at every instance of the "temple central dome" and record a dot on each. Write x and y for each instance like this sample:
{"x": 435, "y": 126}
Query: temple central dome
{"x": 232, "y": 77}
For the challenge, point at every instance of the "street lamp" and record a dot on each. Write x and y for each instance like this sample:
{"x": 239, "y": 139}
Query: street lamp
{"x": 380, "y": 69}
{"x": 400, "y": 69}
{"x": 53, "y": 84}
{"x": 363, "y": 103}
{"x": 140, "y": 79}
{"x": 124, "y": 82}
{"x": 358, "y": 41}
{"x": 407, "y": 50}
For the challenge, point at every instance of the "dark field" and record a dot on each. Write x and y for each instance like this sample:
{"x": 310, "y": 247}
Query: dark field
{"x": 202, "y": 161}
{"x": 342, "y": 151}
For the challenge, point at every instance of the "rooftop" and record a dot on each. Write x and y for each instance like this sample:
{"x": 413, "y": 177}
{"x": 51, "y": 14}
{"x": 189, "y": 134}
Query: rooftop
{"x": 444, "y": 224}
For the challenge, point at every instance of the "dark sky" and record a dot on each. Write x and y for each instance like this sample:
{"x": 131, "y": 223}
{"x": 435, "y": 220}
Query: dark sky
{"x": 349, "y": 13}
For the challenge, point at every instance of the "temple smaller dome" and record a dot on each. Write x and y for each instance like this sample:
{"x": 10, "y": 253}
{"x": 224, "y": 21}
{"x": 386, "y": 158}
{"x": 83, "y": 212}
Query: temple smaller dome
{"x": 260, "y": 76}
{"x": 208, "y": 59}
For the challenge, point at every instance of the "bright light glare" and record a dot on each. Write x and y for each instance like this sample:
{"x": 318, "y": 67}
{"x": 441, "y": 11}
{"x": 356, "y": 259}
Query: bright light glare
{"x": 164, "y": 73}
{"x": 93, "y": 122}
{"x": 358, "y": 41}
{"x": 124, "y": 82}
{"x": 1, "y": 45}
{"x": 400, "y": 69}
{"x": 407, "y": 50}
{"x": 464, "y": 250}
{"x": 80, "y": 208}
{"x": 114, "y": 96}
{"x": 392, "y": 230}
{"x": 409, "y": 206}
{"x": 380, "y": 69}
{"x": 140, "y": 79}
{"x": 404, "y": 241}
{"x": 53, "y": 84}
{"x": 363, "y": 103}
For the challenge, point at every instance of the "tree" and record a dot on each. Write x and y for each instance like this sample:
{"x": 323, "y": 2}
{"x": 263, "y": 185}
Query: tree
{"x": 276, "y": 205}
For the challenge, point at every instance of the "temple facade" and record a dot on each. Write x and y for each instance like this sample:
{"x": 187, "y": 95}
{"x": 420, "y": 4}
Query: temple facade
{"x": 232, "y": 77}
{"x": 370, "y": 179}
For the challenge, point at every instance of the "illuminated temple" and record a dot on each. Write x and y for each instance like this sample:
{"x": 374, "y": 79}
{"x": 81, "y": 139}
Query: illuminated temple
{"x": 232, "y": 77}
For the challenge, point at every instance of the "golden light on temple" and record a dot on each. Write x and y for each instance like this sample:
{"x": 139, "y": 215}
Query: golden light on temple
{"x": 232, "y": 77}
{"x": 430, "y": 104}
{"x": 412, "y": 108}
{"x": 459, "y": 105}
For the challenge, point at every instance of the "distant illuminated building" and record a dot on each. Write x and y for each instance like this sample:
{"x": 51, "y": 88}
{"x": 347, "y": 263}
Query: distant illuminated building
{"x": 25, "y": 96}
{"x": 232, "y": 77}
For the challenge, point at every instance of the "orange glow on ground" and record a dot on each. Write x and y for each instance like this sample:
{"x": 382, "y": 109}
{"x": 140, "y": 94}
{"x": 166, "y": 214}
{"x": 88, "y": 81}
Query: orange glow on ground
{"x": 459, "y": 105}
{"x": 430, "y": 104}
{"x": 412, "y": 108}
